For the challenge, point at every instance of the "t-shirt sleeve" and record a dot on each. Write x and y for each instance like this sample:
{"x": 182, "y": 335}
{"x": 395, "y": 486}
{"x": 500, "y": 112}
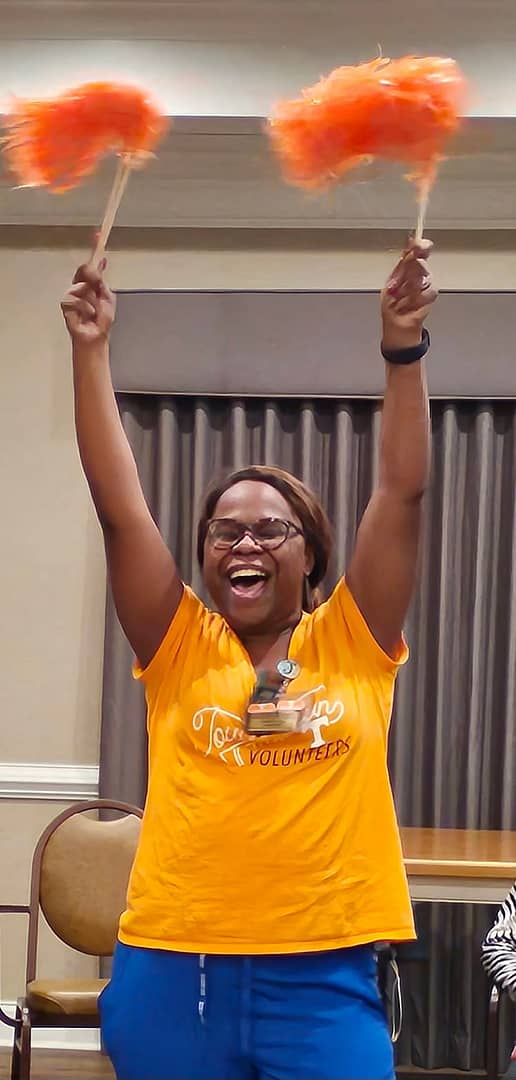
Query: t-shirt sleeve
{"x": 343, "y": 608}
{"x": 190, "y": 615}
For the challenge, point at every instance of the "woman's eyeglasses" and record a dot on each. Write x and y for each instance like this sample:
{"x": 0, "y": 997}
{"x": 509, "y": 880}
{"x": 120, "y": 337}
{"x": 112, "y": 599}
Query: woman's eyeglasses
{"x": 268, "y": 533}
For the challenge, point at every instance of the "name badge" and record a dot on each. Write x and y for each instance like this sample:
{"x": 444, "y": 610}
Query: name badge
{"x": 270, "y": 710}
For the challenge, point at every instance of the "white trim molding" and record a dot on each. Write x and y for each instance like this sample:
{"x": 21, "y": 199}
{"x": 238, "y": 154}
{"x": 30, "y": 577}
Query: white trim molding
{"x": 52, "y": 782}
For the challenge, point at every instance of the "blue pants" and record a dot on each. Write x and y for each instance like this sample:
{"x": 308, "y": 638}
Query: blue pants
{"x": 180, "y": 1016}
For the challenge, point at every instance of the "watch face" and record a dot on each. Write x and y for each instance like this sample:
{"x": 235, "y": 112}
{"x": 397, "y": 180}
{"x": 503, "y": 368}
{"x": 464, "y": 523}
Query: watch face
{"x": 288, "y": 669}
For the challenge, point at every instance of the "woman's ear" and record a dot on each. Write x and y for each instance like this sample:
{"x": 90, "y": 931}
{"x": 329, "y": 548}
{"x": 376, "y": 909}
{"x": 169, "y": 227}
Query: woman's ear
{"x": 309, "y": 561}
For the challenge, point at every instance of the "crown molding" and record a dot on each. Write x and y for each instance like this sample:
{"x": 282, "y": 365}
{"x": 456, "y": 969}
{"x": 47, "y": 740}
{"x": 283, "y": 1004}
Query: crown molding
{"x": 218, "y": 172}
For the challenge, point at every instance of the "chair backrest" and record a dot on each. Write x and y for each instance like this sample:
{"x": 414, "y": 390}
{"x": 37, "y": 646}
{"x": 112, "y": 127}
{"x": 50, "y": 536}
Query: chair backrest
{"x": 80, "y": 873}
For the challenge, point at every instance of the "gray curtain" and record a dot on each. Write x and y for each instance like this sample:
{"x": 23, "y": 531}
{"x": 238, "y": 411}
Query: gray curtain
{"x": 453, "y": 742}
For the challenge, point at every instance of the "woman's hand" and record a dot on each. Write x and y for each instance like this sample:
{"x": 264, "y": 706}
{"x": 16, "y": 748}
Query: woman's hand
{"x": 89, "y": 306}
{"x": 407, "y": 297}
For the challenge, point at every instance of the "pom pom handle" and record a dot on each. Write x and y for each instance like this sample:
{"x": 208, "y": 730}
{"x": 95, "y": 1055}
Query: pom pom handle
{"x": 422, "y": 206}
{"x": 117, "y": 191}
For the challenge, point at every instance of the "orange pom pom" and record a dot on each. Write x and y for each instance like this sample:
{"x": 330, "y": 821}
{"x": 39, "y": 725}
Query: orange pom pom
{"x": 57, "y": 142}
{"x": 401, "y": 110}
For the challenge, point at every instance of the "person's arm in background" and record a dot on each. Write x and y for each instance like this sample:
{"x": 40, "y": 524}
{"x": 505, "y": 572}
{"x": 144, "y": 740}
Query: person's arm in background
{"x": 499, "y": 946}
{"x": 498, "y": 954}
{"x": 144, "y": 578}
{"x": 382, "y": 571}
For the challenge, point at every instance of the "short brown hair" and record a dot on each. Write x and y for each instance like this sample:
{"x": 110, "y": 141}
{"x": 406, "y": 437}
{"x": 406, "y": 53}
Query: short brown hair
{"x": 307, "y": 507}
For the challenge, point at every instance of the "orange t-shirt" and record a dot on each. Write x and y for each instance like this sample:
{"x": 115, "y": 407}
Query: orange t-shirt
{"x": 278, "y": 843}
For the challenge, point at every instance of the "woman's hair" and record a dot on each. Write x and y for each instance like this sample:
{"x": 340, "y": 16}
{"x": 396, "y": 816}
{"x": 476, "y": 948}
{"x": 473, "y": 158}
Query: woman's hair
{"x": 316, "y": 527}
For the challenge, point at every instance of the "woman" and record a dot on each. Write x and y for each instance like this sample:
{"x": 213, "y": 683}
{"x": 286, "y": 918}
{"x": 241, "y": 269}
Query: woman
{"x": 499, "y": 958}
{"x": 268, "y": 866}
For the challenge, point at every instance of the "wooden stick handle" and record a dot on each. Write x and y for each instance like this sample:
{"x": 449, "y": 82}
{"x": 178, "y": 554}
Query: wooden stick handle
{"x": 115, "y": 198}
{"x": 422, "y": 207}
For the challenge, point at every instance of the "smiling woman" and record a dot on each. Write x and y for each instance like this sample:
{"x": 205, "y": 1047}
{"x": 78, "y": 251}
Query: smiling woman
{"x": 270, "y": 862}
{"x": 262, "y": 519}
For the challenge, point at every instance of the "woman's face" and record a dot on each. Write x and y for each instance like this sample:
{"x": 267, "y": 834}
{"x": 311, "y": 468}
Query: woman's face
{"x": 271, "y": 598}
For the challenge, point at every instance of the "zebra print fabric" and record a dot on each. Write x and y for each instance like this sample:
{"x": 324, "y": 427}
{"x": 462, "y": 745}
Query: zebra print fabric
{"x": 499, "y": 946}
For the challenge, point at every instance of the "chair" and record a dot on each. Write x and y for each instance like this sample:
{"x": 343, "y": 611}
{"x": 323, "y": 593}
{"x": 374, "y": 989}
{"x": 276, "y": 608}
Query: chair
{"x": 79, "y": 877}
{"x": 493, "y": 1032}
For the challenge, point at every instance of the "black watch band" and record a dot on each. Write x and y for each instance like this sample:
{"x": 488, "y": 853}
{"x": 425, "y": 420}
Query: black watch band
{"x": 410, "y": 355}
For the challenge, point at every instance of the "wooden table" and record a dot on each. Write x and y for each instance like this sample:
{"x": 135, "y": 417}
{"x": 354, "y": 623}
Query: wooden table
{"x": 461, "y": 866}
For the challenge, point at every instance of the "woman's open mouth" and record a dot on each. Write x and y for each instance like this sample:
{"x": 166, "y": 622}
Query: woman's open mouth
{"x": 248, "y": 582}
